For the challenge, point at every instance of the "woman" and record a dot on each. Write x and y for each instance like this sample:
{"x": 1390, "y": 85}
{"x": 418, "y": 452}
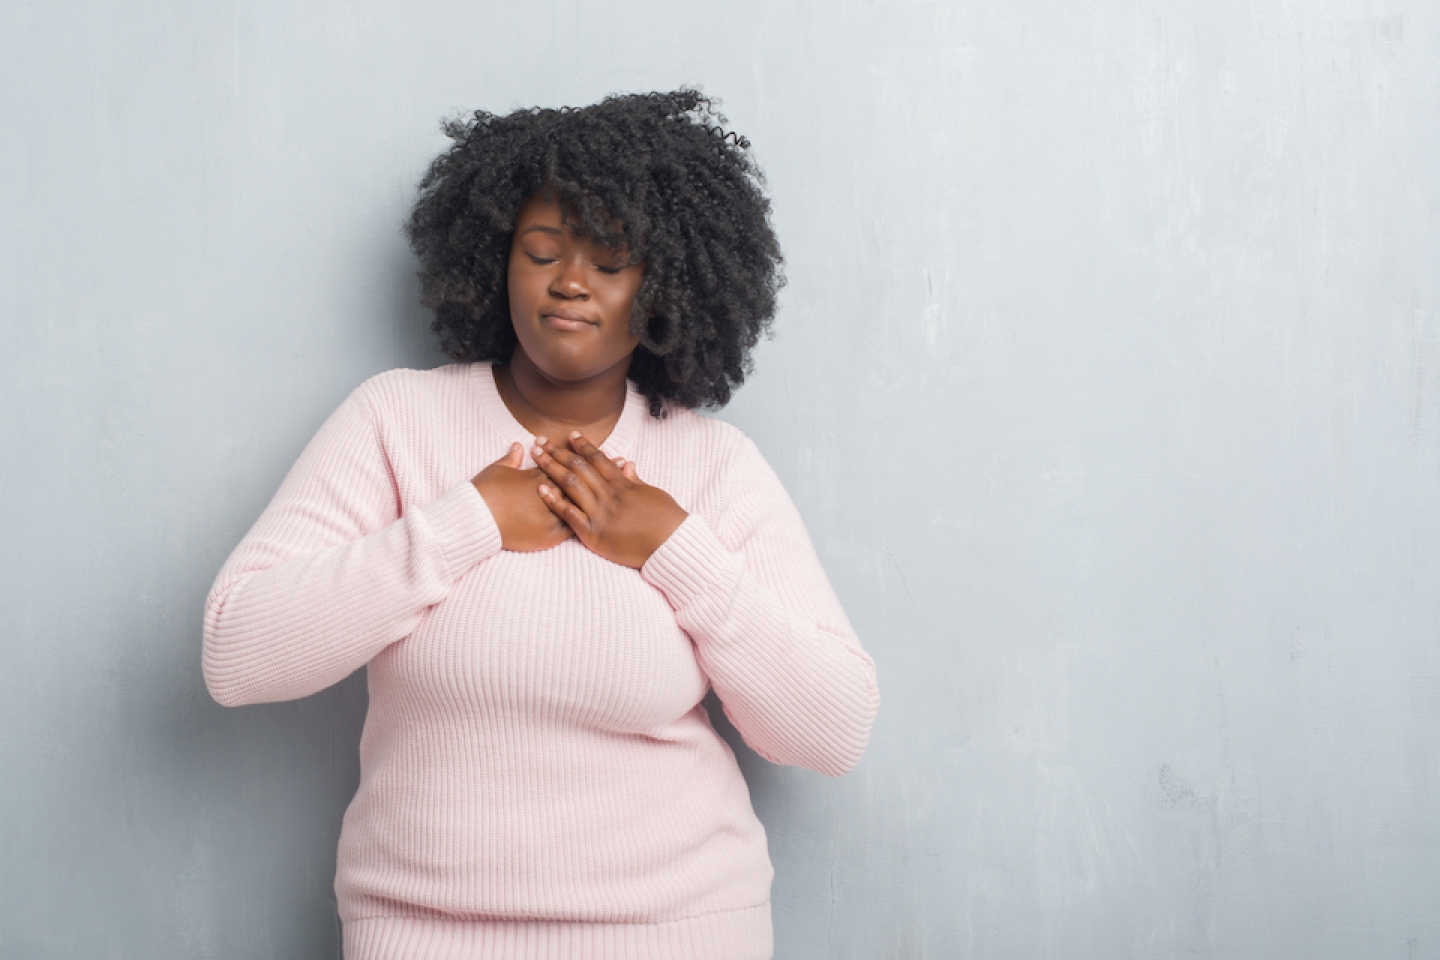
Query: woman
{"x": 538, "y": 776}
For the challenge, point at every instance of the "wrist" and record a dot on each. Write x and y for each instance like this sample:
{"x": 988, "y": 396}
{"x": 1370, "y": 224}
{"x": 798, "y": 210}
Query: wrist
{"x": 664, "y": 529}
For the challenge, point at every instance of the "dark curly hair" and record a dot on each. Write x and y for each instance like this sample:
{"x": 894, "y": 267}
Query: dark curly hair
{"x": 657, "y": 172}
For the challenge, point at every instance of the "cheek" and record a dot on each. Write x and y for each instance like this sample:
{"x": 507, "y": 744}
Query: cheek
{"x": 627, "y": 306}
{"x": 514, "y": 284}
{"x": 520, "y": 294}
{"x": 624, "y": 312}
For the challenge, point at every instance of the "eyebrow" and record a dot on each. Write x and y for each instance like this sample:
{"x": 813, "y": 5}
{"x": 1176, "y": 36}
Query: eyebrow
{"x": 619, "y": 247}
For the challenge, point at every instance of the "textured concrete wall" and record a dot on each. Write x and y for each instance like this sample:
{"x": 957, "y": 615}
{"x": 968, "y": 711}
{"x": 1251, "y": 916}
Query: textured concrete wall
{"x": 1108, "y": 379}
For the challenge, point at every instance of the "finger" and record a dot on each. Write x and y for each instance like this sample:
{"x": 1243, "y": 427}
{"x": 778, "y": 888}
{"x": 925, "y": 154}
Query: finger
{"x": 593, "y": 455}
{"x": 573, "y": 516}
{"x": 586, "y": 468}
{"x": 571, "y": 483}
{"x": 627, "y": 467}
{"x": 513, "y": 457}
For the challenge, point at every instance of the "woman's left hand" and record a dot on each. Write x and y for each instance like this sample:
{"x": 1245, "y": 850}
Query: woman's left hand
{"x": 610, "y": 509}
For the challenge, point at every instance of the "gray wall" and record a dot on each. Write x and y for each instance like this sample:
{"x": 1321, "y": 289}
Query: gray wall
{"x": 1108, "y": 379}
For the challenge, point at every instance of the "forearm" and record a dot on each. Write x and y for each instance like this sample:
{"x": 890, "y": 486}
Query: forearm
{"x": 287, "y": 628}
{"x": 800, "y": 691}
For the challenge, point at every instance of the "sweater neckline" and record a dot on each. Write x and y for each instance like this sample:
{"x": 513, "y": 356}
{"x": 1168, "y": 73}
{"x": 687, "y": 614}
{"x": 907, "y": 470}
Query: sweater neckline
{"x": 617, "y": 444}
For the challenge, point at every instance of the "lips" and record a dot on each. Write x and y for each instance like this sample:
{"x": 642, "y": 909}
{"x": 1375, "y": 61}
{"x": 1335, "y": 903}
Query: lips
{"x": 565, "y": 319}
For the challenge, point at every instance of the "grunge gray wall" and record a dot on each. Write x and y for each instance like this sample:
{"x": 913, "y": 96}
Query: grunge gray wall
{"x": 1107, "y": 378}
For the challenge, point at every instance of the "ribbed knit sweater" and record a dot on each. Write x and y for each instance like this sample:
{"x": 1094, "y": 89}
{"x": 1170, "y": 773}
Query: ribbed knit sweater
{"x": 538, "y": 776}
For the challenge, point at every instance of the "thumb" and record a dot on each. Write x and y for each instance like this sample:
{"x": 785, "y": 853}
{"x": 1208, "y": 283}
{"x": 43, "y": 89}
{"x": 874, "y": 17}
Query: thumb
{"x": 513, "y": 457}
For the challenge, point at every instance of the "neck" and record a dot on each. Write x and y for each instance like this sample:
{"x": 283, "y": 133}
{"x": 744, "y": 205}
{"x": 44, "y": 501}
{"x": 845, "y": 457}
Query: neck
{"x": 552, "y": 408}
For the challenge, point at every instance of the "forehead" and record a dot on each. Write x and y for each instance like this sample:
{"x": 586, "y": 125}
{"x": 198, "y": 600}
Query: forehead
{"x": 544, "y": 213}
{"x": 542, "y": 210}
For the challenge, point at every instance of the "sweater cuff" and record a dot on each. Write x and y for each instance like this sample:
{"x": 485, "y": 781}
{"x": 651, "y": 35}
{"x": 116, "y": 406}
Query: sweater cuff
{"x": 691, "y": 563}
{"x": 465, "y": 528}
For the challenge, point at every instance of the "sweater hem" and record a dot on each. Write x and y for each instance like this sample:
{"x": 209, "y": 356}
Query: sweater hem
{"x": 743, "y": 934}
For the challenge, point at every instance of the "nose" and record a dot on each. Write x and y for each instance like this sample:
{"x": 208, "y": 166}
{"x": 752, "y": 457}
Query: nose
{"x": 569, "y": 281}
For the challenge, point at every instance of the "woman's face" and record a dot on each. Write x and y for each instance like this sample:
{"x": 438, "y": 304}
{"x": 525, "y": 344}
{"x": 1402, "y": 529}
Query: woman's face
{"x": 570, "y": 297}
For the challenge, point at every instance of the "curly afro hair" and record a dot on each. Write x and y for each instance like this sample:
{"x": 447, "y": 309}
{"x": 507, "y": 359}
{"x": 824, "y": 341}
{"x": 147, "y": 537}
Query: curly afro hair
{"x": 657, "y": 172}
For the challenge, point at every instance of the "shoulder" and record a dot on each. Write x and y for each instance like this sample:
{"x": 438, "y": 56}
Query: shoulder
{"x": 402, "y": 382}
{"x": 701, "y": 440}
{"x": 401, "y": 395}
{"x": 712, "y": 467}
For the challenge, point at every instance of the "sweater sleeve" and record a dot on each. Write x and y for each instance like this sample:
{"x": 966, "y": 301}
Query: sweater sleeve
{"x": 767, "y": 627}
{"x": 332, "y": 572}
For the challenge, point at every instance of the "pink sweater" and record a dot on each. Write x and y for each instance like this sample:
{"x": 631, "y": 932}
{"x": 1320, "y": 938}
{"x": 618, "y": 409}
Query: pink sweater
{"x": 538, "y": 777}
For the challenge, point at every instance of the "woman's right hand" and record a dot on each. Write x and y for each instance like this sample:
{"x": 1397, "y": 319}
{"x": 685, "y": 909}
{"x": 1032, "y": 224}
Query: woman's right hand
{"x": 513, "y": 496}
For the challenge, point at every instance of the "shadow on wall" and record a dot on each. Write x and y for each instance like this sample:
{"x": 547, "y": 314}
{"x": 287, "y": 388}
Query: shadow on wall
{"x": 415, "y": 344}
{"x": 283, "y": 773}
{"x": 757, "y": 770}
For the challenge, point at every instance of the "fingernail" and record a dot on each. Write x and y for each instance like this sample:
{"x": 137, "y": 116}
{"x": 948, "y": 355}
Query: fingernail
{"x": 619, "y": 461}
{"x": 539, "y": 453}
{"x": 539, "y": 441}
{"x": 544, "y": 490}
{"x": 574, "y": 434}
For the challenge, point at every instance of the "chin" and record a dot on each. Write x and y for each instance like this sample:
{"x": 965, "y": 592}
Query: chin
{"x": 570, "y": 366}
